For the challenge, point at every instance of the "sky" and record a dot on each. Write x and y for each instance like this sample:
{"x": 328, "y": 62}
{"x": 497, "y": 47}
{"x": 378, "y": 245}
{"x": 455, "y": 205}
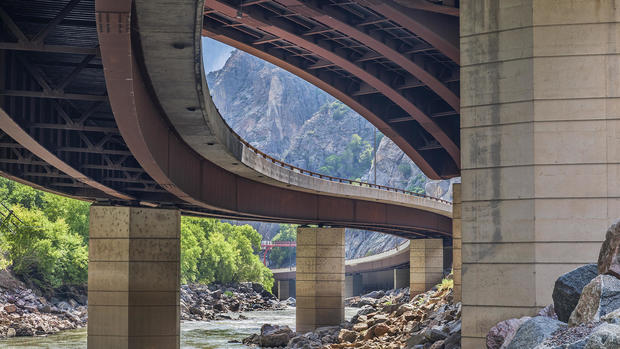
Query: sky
{"x": 214, "y": 54}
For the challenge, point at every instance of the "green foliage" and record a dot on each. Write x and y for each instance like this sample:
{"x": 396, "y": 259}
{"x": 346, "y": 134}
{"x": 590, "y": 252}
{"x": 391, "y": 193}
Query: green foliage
{"x": 338, "y": 110}
{"x": 43, "y": 252}
{"x": 49, "y": 248}
{"x": 213, "y": 251}
{"x": 352, "y": 162}
{"x": 404, "y": 169}
{"x": 417, "y": 184}
{"x": 281, "y": 256}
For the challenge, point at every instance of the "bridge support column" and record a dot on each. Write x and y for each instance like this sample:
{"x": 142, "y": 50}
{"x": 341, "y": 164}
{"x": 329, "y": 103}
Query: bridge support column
{"x": 401, "y": 278}
{"x": 320, "y": 277}
{"x": 456, "y": 240}
{"x": 284, "y": 289}
{"x": 426, "y": 264}
{"x": 133, "y": 278}
{"x": 540, "y": 140}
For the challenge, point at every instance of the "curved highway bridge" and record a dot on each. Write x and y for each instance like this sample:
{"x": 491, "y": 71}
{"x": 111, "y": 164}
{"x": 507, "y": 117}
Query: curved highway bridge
{"x": 106, "y": 100}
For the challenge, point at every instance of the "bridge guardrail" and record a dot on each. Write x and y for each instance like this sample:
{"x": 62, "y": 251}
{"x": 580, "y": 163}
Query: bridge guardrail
{"x": 328, "y": 177}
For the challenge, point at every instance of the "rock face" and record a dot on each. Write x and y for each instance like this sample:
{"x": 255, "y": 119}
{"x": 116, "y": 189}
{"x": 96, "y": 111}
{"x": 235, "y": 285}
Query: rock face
{"x": 609, "y": 256}
{"x": 534, "y": 331}
{"x": 600, "y": 297}
{"x": 503, "y": 332}
{"x": 568, "y": 287}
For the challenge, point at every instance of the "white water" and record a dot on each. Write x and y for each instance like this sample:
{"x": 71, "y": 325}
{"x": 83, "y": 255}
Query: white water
{"x": 194, "y": 334}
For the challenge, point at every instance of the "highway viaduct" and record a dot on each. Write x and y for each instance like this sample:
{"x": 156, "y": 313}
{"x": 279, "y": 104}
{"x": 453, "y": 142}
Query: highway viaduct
{"x": 106, "y": 101}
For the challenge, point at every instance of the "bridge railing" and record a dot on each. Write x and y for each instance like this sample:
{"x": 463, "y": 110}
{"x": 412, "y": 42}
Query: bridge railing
{"x": 328, "y": 177}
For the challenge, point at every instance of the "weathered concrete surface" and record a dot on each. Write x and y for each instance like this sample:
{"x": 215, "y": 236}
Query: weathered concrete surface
{"x": 320, "y": 278}
{"x": 133, "y": 278}
{"x": 540, "y": 136}
{"x": 456, "y": 240}
{"x": 426, "y": 265}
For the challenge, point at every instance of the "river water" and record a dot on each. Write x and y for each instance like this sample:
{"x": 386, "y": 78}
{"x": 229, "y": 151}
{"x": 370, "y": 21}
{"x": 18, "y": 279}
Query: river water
{"x": 194, "y": 334}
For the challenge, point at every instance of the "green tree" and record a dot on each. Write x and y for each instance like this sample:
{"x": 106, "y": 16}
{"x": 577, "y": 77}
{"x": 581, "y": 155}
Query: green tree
{"x": 45, "y": 253}
{"x": 351, "y": 163}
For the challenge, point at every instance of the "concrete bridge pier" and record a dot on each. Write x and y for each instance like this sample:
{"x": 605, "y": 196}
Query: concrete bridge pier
{"x": 456, "y": 240}
{"x": 133, "y": 278}
{"x": 286, "y": 289}
{"x": 426, "y": 264}
{"x": 320, "y": 277}
{"x": 540, "y": 138}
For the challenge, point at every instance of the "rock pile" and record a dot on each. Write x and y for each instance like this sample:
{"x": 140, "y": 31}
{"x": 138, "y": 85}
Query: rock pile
{"x": 585, "y": 313}
{"x": 23, "y": 313}
{"x": 376, "y": 298}
{"x": 213, "y": 302}
{"x": 429, "y": 320}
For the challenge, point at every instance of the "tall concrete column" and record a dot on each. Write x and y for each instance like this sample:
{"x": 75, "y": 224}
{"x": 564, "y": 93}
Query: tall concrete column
{"x": 320, "y": 277}
{"x": 133, "y": 278}
{"x": 283, "y": 289}
{"x": 540, "y": 137}
{"x": 456, "y": 240}
{"x": 425, "y": 265}
{"x": 401, "y": 278}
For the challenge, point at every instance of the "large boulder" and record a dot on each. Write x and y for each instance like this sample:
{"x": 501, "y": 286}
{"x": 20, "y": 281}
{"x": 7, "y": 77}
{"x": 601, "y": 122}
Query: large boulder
{"x": 568, "y": 287}
{"x": 599, "y": 298}
{"x": 609, "y": 256}
{"x": 534, "y": 331}
{"x": 605, "y": 336}
{"x": 503, "y": 332}
{"x": 275, "y": 336}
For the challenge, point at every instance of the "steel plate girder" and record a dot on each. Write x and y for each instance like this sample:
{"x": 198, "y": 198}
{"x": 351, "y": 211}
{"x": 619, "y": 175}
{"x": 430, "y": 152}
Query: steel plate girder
{"x": 178, "y": 169}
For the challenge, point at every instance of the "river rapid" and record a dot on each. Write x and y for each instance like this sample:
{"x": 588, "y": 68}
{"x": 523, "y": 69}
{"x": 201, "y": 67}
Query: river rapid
{"x": 194, "y": 334}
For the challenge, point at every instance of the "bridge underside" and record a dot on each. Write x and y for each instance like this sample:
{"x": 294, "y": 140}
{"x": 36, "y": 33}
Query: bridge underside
{"x": 396, "y": 66}
{"x": 59, "y": 133}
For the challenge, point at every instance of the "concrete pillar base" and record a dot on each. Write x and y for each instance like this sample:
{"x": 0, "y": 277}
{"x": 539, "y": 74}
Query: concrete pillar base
{"x": 320, "y": 278}
{"x": 401, "y": 278}
{"x": 133, "y": 278}
{"x": 426, "y": 264}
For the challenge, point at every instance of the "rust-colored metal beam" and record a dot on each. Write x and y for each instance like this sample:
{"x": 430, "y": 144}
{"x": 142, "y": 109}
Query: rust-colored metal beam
{"x": 434, "y": 32}
{"x": 275, "y": 27}
{"x": 335, "y": 20}
{"x": 11, "y": 128}
{"x": 177, "y": 168}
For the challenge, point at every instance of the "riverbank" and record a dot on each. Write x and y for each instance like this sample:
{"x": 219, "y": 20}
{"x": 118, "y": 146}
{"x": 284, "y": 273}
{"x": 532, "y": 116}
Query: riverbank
{"x": 26, "y": 312}
{"x": 429, "y": 320}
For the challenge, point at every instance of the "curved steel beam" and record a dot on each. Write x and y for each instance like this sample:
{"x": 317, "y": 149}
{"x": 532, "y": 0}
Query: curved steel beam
{"x": 257, "y": 21}
{"x": 440, "y": 31}
{"x": 11, "y": 128}
{"x": 177, "y": 167}
{"x": 333, "y": 19}
{"x": 428, "y": 6}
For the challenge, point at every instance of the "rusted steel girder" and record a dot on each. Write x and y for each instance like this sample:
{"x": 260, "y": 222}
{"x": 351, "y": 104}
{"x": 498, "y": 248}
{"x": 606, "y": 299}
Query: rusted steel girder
{"x": 177, "y": 168}
{"x": 333, "y": 19}
{"x": 11, "y": 128}
{"x": 441, "y": 32}
{"x": 279, "y": 29}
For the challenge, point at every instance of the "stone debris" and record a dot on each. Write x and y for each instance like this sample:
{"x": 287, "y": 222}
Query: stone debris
{"x": 24, "y": 313}
{"x": 429, "y": 320}
{"x": 609, "y": 256}
{"x": 587, "y": 303}
{"x": 568, "y": 287}
{"x": 213, "y": 302}
{"x": 599, "y": 298}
